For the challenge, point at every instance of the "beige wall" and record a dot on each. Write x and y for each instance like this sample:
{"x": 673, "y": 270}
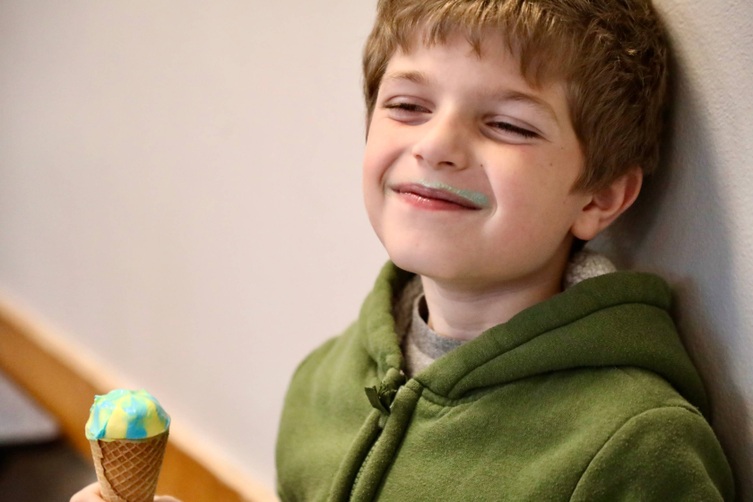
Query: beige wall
{"x": 179, "y": 194}
{"x": 694, "y": 224}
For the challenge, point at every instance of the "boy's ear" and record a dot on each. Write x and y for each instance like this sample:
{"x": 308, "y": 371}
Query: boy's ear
{"x": 606, "y": 204}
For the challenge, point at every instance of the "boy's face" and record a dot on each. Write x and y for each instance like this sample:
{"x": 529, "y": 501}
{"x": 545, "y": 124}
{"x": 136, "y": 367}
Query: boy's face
{"x": 468, "y": 169}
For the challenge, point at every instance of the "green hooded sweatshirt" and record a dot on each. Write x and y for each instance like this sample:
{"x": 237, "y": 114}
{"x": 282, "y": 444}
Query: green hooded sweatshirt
{"x": 588, "y": 396}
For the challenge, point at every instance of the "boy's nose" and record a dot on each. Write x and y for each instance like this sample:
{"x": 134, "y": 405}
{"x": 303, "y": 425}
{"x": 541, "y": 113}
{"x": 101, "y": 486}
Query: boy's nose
{"x": 442, "y": 143}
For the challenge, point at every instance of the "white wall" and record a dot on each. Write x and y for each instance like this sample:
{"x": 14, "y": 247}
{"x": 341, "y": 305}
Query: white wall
{"x": 179, "y": 193}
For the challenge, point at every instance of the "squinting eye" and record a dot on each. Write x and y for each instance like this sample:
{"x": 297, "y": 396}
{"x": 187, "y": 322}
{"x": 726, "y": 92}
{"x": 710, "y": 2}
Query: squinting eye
{"x": 406, "y": 107}
{"x": 507, "y": 127}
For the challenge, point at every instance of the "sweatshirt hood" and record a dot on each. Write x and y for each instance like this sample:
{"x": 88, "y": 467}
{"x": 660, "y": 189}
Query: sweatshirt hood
{"x": 620, "y": 319}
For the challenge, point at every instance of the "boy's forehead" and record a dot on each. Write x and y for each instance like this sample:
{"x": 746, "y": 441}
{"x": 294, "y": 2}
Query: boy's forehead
{"x": 489, "y": 46}
{"x": 478, "y": 40}
{"x": 540, "y": 70}
{"x": 422, "y": 46}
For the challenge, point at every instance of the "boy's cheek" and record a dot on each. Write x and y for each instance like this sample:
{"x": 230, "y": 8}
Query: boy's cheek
{"x": 374, "y": 204}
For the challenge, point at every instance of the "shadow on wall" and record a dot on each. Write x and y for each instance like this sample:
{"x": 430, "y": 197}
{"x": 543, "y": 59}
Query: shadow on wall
{"x": 679, "y": 229}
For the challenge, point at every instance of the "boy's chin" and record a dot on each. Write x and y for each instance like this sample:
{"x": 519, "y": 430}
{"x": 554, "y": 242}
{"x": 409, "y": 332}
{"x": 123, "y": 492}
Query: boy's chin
{"x": 438, "y": 268}
{"x": 411, "y": 263}
{"x": 406, "y": 264}
{"x": 455, "y": 271}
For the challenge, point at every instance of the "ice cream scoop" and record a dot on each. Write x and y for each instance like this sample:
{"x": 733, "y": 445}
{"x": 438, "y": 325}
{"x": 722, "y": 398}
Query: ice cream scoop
{"x": 126, "y": 414}
{"x": 127, "y": 431}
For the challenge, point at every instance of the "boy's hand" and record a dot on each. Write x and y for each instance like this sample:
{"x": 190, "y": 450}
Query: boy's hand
{"x": 89, "y": 494}
{"x": 92, "y": 494}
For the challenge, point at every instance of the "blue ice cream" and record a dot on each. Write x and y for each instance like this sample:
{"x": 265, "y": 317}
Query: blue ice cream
{"x": 126, "y": 414}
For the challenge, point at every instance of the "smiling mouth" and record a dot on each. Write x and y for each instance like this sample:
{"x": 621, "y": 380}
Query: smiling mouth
{"x": 441, "y": 196}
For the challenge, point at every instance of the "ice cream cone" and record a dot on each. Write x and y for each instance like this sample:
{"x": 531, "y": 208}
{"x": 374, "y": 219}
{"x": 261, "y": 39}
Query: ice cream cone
{"x": 128, "y": 469}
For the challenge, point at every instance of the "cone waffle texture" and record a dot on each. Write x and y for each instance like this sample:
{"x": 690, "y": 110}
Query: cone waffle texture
{"x": 128, "y": 469}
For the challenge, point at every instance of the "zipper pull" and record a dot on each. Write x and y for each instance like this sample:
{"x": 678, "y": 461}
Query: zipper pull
{"x": 381, "y": 396}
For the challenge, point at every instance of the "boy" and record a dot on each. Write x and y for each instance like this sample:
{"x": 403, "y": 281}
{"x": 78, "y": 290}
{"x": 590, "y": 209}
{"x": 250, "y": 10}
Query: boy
{"x": 498, "y": 362}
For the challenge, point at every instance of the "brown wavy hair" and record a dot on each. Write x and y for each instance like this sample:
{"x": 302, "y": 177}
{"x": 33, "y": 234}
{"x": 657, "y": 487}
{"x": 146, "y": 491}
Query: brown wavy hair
{"x": 612, "y": 55}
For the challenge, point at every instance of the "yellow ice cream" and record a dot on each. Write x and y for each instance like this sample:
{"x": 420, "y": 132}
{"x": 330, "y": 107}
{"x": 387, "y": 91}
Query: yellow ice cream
{"x": 126, "y": 414}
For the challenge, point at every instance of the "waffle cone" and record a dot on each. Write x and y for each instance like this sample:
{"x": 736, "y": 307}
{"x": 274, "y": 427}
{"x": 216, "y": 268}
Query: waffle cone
{"x": 128, "y": 469}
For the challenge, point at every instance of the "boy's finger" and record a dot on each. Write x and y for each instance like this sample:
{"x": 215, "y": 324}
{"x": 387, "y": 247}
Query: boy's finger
{"x": 89, "y": 493}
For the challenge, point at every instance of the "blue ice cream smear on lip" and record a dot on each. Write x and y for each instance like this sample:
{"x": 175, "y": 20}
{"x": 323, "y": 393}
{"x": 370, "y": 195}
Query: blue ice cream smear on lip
{"x": 126, "y": 414}
{"x": 476, "y": 198}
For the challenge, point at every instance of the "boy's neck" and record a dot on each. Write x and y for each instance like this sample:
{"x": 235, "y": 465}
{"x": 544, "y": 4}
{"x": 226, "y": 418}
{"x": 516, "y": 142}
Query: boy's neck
{"x": 463, "y": 314}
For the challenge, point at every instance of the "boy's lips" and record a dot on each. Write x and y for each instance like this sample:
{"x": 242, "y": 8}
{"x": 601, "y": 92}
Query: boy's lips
{"x": 441, "y": 195}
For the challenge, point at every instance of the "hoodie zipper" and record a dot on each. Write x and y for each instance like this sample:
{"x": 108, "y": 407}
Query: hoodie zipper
{"x": 381, "y": 397}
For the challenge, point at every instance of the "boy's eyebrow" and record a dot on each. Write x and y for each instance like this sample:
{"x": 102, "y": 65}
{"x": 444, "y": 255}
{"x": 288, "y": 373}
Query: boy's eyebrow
{"x": 418, "y": 77}
{"x": 531, "y": 100}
